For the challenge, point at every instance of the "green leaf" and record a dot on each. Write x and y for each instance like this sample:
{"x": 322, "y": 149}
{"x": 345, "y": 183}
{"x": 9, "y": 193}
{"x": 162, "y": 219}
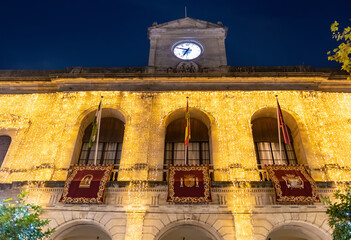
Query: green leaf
{"x": 342, "y": 54}
{"x": 21, "y": 221}
{"x": 340, "y": 214}
{"x": 334, "y": 26}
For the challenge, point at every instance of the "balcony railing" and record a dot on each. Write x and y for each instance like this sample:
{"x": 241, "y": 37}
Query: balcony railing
{"x": 263, "y": 175}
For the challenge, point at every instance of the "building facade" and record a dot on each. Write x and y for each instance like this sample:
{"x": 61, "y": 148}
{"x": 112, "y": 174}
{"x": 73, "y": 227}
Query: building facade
{"x": 46, "y": 119}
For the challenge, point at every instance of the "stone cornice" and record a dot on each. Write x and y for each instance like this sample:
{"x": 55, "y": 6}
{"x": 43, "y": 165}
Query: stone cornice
{"x": 139, "y": 79}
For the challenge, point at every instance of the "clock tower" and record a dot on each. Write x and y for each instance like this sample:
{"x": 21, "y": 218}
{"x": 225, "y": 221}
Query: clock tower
{"x": 187, "y": 45}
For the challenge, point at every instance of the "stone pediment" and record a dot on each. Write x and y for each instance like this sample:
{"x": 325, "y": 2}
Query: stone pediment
{"x": 186, "y": 23}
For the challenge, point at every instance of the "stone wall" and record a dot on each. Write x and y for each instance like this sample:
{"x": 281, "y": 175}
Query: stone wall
{"x": 46, "y": 130}
{"x": 131, "y": 213}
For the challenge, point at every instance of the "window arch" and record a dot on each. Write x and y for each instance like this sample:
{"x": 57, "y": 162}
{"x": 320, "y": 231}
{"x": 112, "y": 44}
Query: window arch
{"x": 199, "y": 147}
{"x": 5, "y": 142}
{"x": 266, "y": 140}
{"x": 110, "y": 143}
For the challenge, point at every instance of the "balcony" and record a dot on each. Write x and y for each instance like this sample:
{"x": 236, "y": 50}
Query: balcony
{"x": 259, "y": 194}
{"x": 260, "y": 170}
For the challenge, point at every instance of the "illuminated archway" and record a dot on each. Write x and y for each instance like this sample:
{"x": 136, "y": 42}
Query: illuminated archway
{"x": 81, "y": 230}
{"x": 189, "y": 230}
{"x": 14, "y": 127}
{"x": 206, "y": 118}
{"x": 298, "y": 231}
{"x": 87, "y": 118}
{"x": 300, "y": 139}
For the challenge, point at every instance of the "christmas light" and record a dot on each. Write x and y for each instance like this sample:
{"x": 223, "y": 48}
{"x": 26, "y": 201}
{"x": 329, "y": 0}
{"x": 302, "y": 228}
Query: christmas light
{"x": 44, "y": 130}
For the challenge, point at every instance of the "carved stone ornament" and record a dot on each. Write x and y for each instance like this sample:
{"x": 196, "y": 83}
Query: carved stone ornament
{"x": 187, "y": 67}
{"x": 11, "y": 120}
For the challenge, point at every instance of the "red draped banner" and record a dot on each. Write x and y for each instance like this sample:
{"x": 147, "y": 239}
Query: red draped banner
{"x": 189, "y": 184}
{"x": 292, "y": 184}
{"x": 86, "y": 184}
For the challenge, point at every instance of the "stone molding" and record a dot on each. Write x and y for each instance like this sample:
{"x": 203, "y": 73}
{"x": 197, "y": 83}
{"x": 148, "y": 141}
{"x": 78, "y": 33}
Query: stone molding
{"x": 201, "y": 221}
{"x": 160, "y": 216}
{"x": 316, "y": 223}
{"x": 176, "y": 81}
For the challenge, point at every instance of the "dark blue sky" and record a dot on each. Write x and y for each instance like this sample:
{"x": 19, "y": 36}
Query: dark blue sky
{"x": 54, "y": 34}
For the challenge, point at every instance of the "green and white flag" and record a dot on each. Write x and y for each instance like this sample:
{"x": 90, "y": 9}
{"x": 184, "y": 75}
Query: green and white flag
{"x": 96, "y": 123}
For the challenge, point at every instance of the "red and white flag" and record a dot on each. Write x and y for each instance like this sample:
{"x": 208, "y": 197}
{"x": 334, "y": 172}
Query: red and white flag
{"x": 282, "y": 125}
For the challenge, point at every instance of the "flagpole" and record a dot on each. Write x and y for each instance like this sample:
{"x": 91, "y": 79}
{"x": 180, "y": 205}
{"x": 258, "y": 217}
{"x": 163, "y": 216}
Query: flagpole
{"x": 280, "y": 142}
{"x": 188, "y": 133}
{"x": 98, "y": 132}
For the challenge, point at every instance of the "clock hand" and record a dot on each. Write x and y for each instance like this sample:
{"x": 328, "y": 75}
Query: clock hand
{"x": 181, "y": 48}
{"x": 186, "y": 52}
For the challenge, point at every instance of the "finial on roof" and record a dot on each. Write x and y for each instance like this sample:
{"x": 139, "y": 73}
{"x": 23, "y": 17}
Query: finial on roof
{"x": 154, "y": 24}
{"x": 186, "y": 15}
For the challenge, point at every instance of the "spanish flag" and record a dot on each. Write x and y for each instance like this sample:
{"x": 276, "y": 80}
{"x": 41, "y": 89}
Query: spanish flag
{"x": 282, "y": 125}
{"x": 187, "y": 125}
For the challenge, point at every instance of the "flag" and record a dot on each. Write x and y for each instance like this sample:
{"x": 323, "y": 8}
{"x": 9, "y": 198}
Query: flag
{"x": 97, "y": 119}
{"x": 187, "y": 125}
{"x": 282, "y": 125}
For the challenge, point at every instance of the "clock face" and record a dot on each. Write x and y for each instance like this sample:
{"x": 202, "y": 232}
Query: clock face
{"x": 187, "y": 50}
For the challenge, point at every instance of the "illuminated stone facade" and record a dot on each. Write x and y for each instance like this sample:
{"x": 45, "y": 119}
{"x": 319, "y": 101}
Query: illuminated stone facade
{"x": 46, "y": 112}
{"x": 46, "y": 127}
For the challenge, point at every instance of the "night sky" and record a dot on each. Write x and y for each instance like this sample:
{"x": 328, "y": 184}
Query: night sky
{"x": 54, "y": 34}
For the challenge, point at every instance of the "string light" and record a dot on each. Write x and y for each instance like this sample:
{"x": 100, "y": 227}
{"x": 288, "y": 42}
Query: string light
{"x": 136, "y": 209}
{"x": 45, "y": 129}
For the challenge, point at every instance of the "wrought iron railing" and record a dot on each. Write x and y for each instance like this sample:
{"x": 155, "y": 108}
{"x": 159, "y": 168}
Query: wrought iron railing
{"x": 263, "y": 175}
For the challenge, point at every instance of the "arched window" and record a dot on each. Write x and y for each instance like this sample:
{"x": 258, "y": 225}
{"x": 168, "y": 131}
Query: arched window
{"x": 266, "y": 138}
{"x": 5, "y": 142}
{"x": 110, "y": 143}
{"x": 198, "y": 150}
